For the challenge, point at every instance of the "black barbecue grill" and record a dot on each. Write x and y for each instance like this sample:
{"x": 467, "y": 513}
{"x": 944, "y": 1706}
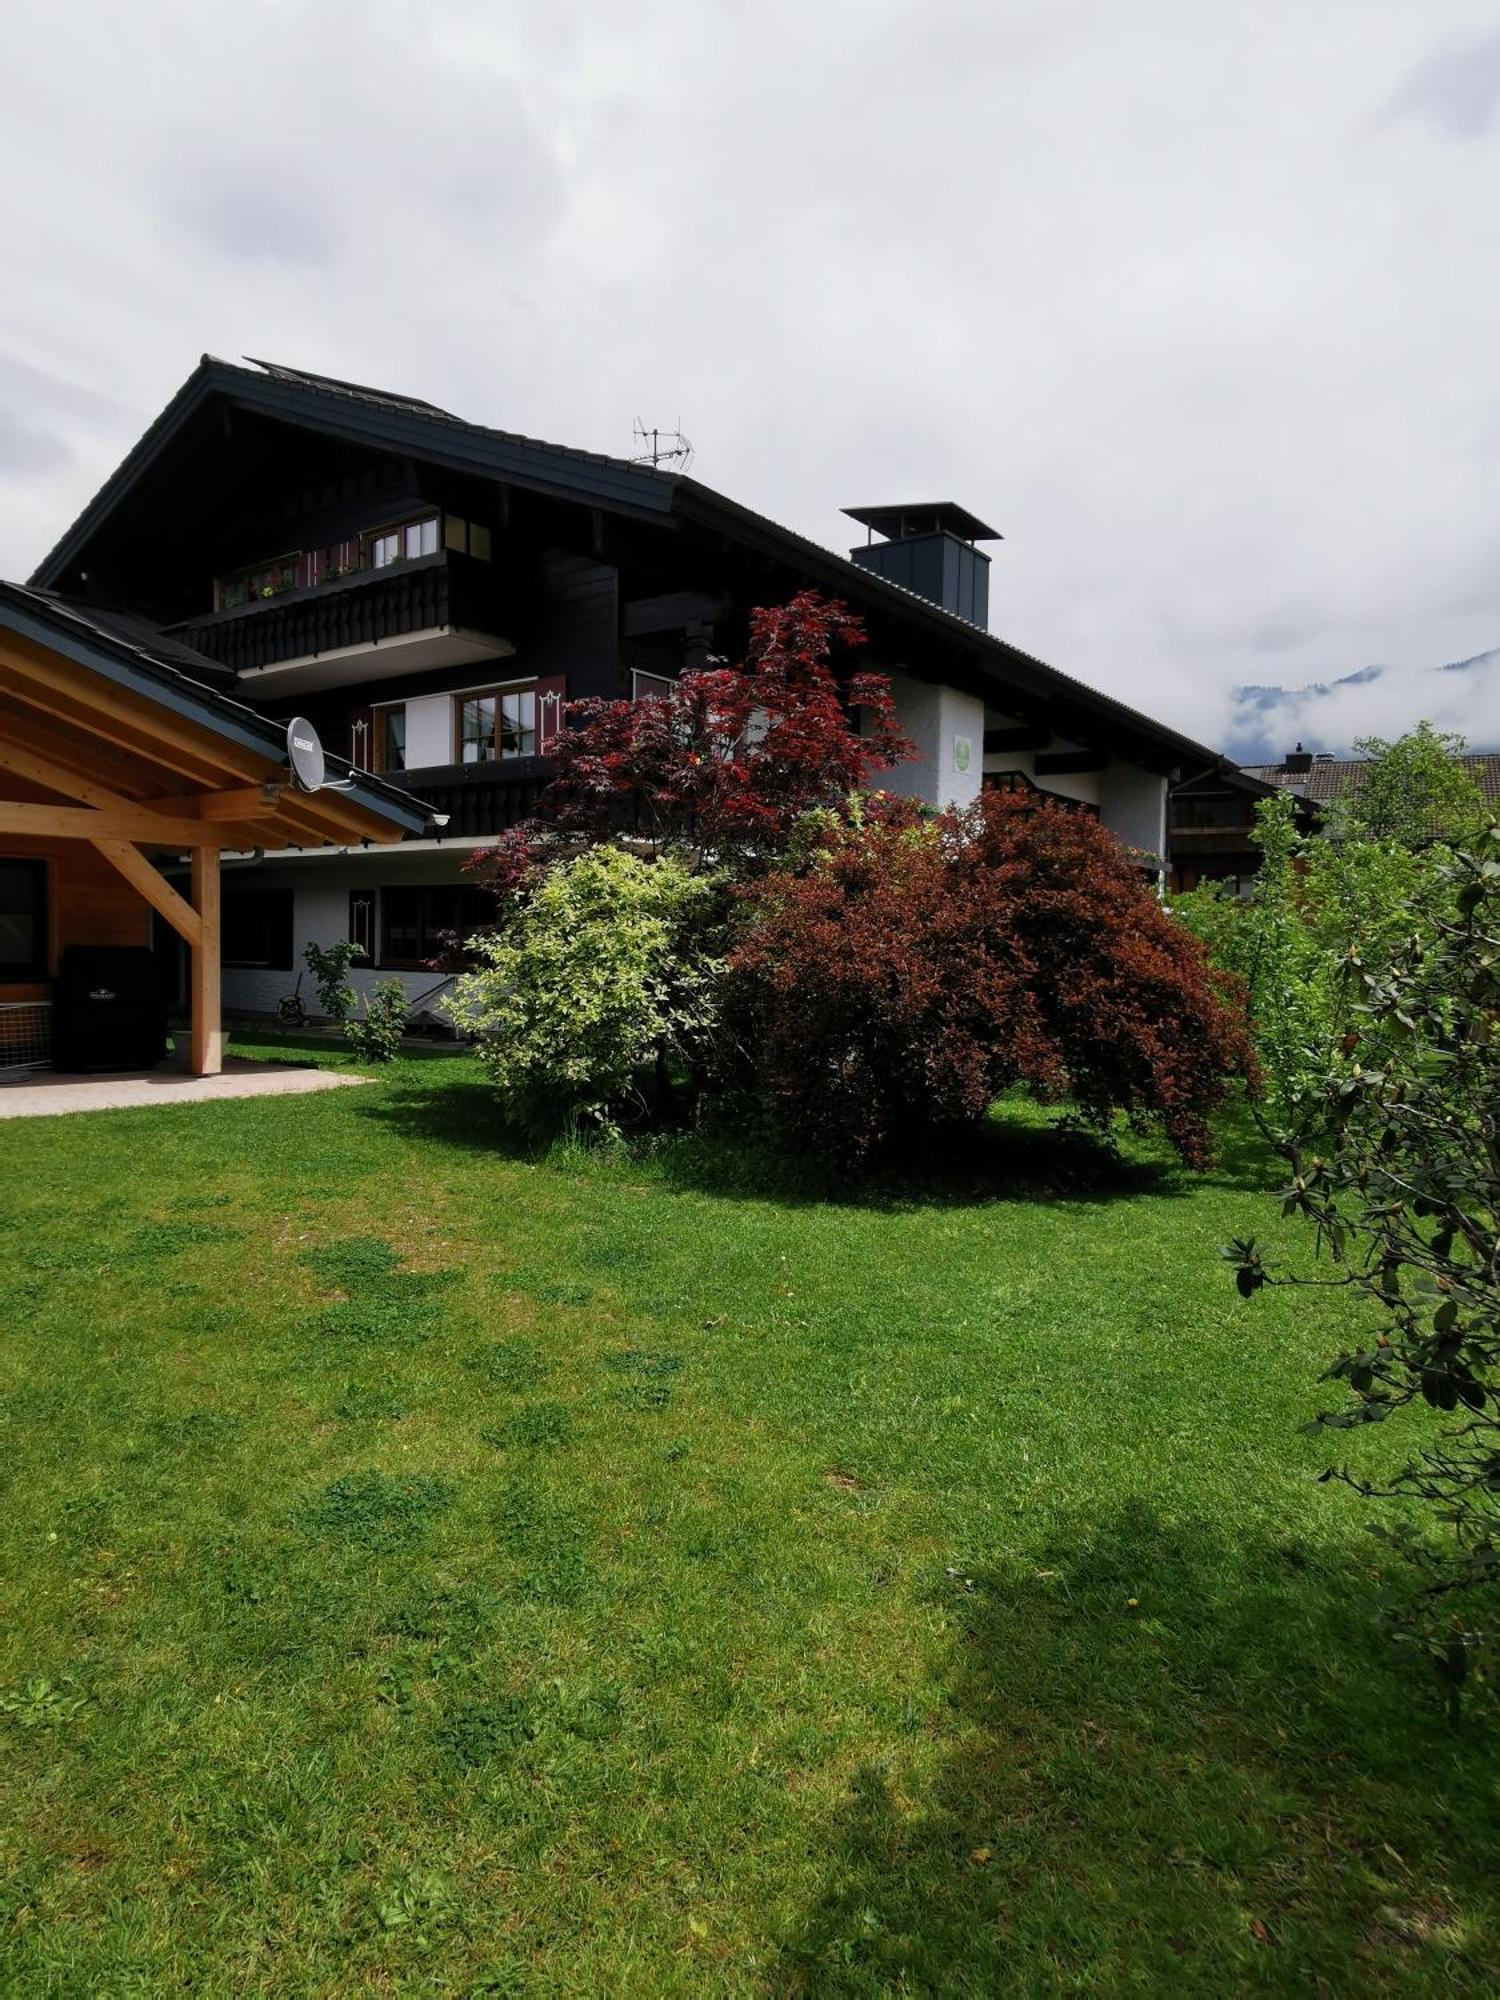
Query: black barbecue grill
{"x": 109, "y": 1009}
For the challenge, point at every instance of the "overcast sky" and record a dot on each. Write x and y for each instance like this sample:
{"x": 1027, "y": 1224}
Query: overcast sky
{"x": 1199, "y": 304}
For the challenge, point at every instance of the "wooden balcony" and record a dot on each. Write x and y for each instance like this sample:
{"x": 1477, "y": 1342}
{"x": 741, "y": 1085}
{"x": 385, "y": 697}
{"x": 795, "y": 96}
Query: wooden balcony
{"x": 480, "y": 799}
{"x": 434, "y": 610}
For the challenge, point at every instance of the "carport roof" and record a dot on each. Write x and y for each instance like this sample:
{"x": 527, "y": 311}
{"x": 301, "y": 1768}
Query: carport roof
{"x": 54, "y": 653}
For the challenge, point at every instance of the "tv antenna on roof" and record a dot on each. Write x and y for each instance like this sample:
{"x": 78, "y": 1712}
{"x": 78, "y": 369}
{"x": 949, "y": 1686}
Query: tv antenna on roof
{"x": 661, "y": 448}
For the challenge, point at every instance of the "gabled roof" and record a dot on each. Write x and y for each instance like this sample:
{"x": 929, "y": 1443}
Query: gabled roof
{"x": 168, "y": 675}
{"x": 381, "y": 420}
{"x": 1330, "y": 778}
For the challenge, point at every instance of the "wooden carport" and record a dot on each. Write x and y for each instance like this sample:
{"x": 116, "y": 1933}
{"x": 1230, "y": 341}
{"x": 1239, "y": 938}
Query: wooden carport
{"x": 111, "y": 748}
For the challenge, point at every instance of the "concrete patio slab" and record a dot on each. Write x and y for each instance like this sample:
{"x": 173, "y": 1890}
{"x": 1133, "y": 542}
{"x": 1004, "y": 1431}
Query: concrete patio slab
{"x": 53, "y": 1094}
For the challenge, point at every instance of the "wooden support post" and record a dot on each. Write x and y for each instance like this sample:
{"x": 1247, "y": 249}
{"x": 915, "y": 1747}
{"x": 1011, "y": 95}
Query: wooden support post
{"x": 207, "y": 1047}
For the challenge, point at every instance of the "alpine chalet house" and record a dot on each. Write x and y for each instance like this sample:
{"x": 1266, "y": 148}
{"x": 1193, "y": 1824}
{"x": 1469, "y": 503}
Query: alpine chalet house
{"x": 430, "y": 594}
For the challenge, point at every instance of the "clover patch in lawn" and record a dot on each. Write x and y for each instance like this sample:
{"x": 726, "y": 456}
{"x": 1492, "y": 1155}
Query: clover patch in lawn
{"x": 170, "y": 1238}
{"x": 385, "y": 1307}
{"x": 376, "y": 1511}
{"x": 363, "y": 1401}
{"x": 546, "y": 1546}
{"x": 480, "y": 1732}
{"x": 537, "y": 1427}
{"x": 648, "y": 1384}
{"x": 352, "y": 1262}
{"x": 510, "y": 1364}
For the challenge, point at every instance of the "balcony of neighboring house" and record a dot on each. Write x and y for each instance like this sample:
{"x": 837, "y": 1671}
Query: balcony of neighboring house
{"x": 420, "y": 593}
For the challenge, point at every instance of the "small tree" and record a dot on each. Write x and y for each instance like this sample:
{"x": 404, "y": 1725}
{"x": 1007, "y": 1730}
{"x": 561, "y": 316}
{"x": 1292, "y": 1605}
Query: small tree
{"x": 329, "y": 967}
{"x": 1413, "y": 791}
{"x": 917, "y": 967}
{"x": 597, "y": 996}
{"x": 1403, "y": 1191}
{"x": 719, "y": 770}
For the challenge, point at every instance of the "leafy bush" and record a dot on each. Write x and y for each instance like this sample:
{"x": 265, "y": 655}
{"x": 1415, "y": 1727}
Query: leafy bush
{"x": 1404, "y": 1192}
{"x": 599, "y": 991}
{"x": 1318, "y": 904}
{"x": 920, "y": 966}
{"x": 377, "y": 1037}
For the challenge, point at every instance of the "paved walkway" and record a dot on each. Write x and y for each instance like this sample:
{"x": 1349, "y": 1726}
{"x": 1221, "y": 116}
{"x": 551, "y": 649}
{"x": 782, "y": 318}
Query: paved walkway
{"x": 51, "y": 1093}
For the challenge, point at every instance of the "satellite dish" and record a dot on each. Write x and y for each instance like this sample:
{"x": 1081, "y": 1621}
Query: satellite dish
{"x": 304, "y": 752}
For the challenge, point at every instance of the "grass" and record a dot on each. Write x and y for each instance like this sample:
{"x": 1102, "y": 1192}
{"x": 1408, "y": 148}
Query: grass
{"x": 433, "y": 1567}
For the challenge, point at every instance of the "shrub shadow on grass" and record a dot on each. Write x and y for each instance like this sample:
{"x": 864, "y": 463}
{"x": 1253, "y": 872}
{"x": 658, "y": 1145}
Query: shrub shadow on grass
{"x": 1021, "y": 1152}
{"x": 1173, "y": 1765}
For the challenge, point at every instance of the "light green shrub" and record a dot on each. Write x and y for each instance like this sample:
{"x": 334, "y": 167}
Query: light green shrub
{"x": 599, "y": 992}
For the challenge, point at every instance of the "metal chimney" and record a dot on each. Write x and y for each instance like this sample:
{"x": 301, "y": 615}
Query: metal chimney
{"x": 929, "y": 549}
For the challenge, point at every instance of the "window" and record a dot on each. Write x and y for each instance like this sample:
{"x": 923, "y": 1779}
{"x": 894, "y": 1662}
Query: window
{"x": 417, "y": 924}
{"x": 644, "y": 685}
{"x": 23, "y": 919}
{"x": 406, "y": 541}
{"x": 390, "y": 738}
{"x": 256, "y": 928}
{"x": 470, "y": 538}
{"x": 492, "y": 726}
{"x": 362, "y": 921}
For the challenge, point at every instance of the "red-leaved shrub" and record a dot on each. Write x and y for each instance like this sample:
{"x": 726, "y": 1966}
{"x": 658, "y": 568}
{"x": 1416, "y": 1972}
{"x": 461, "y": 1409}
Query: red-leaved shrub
{"x": 921, "y": 966}
{"x": 725, "y": 765}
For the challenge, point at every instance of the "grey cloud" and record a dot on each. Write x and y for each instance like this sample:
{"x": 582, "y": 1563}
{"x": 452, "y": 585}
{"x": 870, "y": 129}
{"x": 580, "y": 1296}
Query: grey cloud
{"x": 252, "y": 211}
{"x": 29, "y": 448}
{"x": 1129, "y": 282}
{"x": 1455, "y": 88}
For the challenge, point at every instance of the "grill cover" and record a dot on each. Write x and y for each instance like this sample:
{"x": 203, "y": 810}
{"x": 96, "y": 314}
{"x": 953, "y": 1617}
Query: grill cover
{"x": 109, "y": 1009}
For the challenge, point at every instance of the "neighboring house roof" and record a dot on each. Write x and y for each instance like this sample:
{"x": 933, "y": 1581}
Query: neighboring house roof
{"x": 184, "y": 682}
{"x": 376, "y": 418}
{"x": 1330, "y": 778}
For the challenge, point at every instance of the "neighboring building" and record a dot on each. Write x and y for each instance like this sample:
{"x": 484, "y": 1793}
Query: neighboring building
{"x": 431, "y": 593}
{"x": 1321, "y": 779}
{"x": 1212, "y": 814}
{"x": 1211, "y": 818}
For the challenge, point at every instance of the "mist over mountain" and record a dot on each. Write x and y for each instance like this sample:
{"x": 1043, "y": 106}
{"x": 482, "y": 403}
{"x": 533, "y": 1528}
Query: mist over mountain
{"x": 1463, "y": 696}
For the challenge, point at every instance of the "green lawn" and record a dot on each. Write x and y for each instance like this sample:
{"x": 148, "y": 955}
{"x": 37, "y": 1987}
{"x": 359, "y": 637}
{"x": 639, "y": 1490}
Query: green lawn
{"x": 434, "y": 1569}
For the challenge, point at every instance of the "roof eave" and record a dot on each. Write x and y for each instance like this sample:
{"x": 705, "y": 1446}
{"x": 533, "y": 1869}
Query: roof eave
{"x": 129, "y": 668}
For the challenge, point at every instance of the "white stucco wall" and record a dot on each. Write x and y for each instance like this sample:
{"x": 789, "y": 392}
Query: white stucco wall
{"x": 1133, "y": 804}
{"x": 947, "y": 728}
{"x": 320, "y": 915}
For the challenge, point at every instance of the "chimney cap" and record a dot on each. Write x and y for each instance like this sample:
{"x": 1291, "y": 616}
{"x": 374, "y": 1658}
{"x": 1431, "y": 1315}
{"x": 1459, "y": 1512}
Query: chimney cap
{"x": 925, "y": 517}
{"x": 1298, "y": 760}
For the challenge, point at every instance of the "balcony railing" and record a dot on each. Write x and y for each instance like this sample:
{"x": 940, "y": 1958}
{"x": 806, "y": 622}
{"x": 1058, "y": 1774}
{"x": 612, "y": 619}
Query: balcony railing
{"x": 429, "y": 592}
{"x": 480, "y": 799}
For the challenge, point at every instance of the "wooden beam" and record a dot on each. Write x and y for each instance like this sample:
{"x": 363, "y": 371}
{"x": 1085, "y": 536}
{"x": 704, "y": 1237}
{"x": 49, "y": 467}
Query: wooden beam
{"x": 998, "y": 742}
{"x": 206, "y": 1052}
{"x": 243, "y": 802}
{"x": 1058, "y": 763}
{"x": 116, "y": 823}
{"x": 156, "y": 889}
{"x": 56, "y": 777}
